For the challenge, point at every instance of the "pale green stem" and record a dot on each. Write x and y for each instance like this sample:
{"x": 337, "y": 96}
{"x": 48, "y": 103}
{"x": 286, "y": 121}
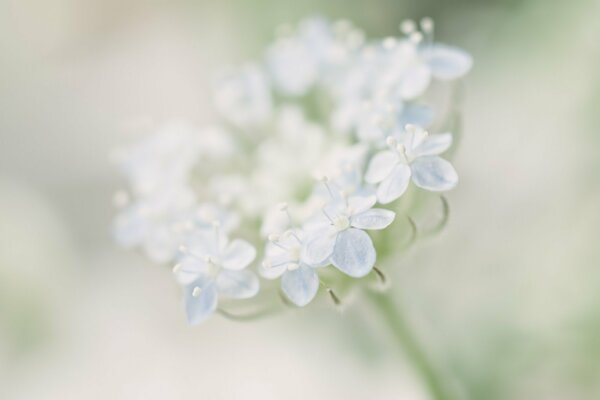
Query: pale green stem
{"x": 395, "y": 322}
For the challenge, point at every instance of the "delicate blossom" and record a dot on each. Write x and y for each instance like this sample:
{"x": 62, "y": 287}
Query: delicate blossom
{"x": 338, "y": 236}
{"x": 414, "y": 156}
{"x": 211, "y": 267}
{"x": 284, "y": 258}
{"x": 320, "y": 105}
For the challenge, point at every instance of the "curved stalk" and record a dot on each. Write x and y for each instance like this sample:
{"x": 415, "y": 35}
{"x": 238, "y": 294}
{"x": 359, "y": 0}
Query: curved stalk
{"x": 396, "y": 323}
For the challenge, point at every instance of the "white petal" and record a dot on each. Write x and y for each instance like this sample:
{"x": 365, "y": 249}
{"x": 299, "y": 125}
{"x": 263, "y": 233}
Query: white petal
{"x": 376, "y": 218}
{"x": 447, "y": 62}
{"x": 394, "y": 185}
{"x": 238, "y": 255}
{"x": 238, "y": 284}
{"x": 190, "y": 269}
{"x": 354, "y": 253}
{"x": 434, "y": 145}
{"x": 319, "y": 247}
{"x": 272, "y": 272}
{"x": 415, "y": 81}
{"x": 200, "y": 307}
{"x": 300, "y": 285}
{"x": 381, "y": 166}
{"x": 415, "y": 137}
{"x": 433, "y": 173}
{"x": 359, "y": 204}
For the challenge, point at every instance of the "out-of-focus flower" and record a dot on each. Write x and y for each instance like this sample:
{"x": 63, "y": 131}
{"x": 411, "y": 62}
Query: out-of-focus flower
{"x": 243, "y": 97}
{"x": 415, "y": 156}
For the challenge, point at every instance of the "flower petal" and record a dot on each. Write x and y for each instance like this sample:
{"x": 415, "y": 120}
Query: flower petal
{"x": 359, "y": 204}
{"x": 272, "y": 272}
{"x": 447, "y": 62}
{"x": 434, "y": 173}
{"x": 238, "y": 255}
{"x": 434, "y": 145}
{"x": 300, "y": 285}
{"x": 354, "y": 253}
{"x": 190, "y": 269}
{"x": 201, "y": 306}
{"x": 238, "y": 284}
{"x": 394, "y": 185}
{"x": 319, "y": 247}
{"x": 415, "y": 81}
{"x": 381, "y": 166}
{"x": 415, "y": 114}
{"x": 375, "y": 218}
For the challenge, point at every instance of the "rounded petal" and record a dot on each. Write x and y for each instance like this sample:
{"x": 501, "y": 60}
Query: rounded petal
{"x": 238, "y": 284}
{"x": 381, "y": 166}
{"x": 447, "y": 62}
{"x": 201, "y": 306}
{"x": 354, "y": 253}
{"x": 319, "y": 247}
{"x": 361, "y": 203}
{"x": 190, "y": 269}
{"x": 300, "y": 285}
{"x": 434, "y": 145}
{"x": 272, "y": 272}
{"x": 238, "y": 255}
{"x": 434, "y": 173}
{"x": 415, "y": 81}
{"x": 394, "y": 185}
{"x": 376, "y": 218}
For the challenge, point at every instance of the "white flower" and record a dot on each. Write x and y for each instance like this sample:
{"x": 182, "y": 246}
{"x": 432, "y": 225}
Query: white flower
{"x": 337, "y": 234}
{"x": 244, "y": 97}
{"x": 162, "y": 159}
{"x": 211, "y": 267}
{"x": 284, "y": 258}
{"x": 414, "y": 157}
{"x": 156, "y": 222}
{"x": 414, "y": 62}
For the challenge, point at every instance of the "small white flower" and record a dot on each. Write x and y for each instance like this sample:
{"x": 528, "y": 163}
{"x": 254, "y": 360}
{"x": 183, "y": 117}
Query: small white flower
{"x": 284, "y": 258}
{"x": 244, "y": 97}
{"x": 211, "y": 267}
{"x": 415, "y": 61}
{"x": 337, "y": 234}
{"x": 415, "y": 156}
{"x": 156, "y": 222}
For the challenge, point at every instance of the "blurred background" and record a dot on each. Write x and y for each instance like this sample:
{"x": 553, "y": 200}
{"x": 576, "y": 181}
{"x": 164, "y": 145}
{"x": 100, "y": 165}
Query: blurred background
{"x": 506, "y": 299}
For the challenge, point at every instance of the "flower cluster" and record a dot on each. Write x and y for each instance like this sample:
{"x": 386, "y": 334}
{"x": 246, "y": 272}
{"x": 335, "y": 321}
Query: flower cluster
{"x": 308, "y": 140}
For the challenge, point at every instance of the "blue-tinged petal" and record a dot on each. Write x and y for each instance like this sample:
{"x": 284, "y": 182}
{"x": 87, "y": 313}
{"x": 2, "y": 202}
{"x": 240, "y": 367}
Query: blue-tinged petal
{"x": 375, "y": 218}
{"x": 238, "y": 284}
{"x": 416, "y": 114}
{"x": 200, "y": 301}
{"x": 381, "y": 166}
{"x": 319, "y": 246}
{"x": 190, "y": 269}
{"x": 238, "y": 255}
{"x": 447, "y": 62}
{"x": 354, "y": 253}
{"x": 300, "y": 285}
{"x": 434, "y": 145}
{"x": 434, "y": 173}
{"x": 394, "y": 185}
